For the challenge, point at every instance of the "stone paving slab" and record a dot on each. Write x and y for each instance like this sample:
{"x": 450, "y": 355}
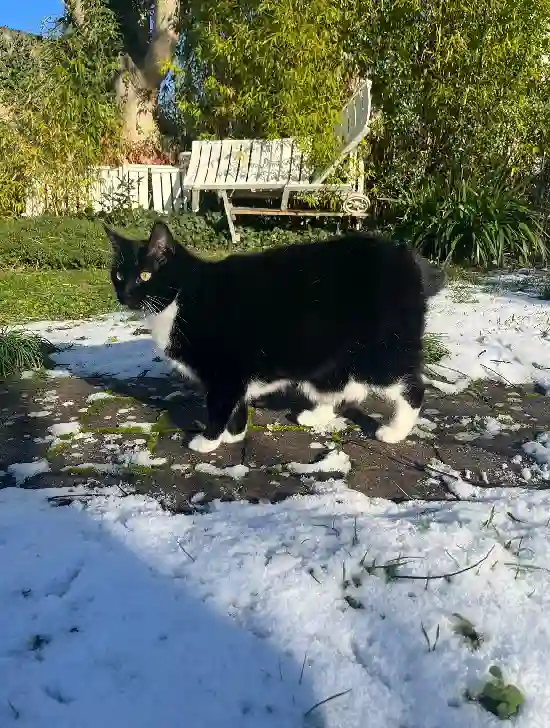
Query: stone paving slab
{"x": 134, "y": 433}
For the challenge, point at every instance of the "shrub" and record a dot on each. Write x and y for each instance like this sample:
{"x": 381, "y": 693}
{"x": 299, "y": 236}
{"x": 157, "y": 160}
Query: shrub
{"x": 484, "y": 223}
{"x": 52, "y": 243}
{"x": 273, "y": 69}
{"x": 58, "y": 117}
{"x": 58, "y": 243}
{"x": 209, "y": 232}
{"x": 454, "y": 85}
{"x": 20, "y": 350}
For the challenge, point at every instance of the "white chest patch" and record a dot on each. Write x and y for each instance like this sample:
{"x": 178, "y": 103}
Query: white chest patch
{"x": 161, "y": 325}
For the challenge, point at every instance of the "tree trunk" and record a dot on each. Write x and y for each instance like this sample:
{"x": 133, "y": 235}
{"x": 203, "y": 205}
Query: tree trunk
{"x": 138, "y": 105}
{"x": 142, "y": 69}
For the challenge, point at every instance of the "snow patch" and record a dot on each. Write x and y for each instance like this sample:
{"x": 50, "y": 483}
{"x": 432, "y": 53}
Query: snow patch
{"x": 232, "y": 471}
{"x": 99, "y": 396}
{"x": 143, "y": 458}
{"x": 336, "y": 461}
{"x": 63, "y": 429}
{"x": 25, "y": 471}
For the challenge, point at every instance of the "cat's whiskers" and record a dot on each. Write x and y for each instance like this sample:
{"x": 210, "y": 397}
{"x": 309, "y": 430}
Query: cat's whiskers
{"x": 152, "y": 305}
{"x": 155, "y": 303}
{"x": 148, "y": 310}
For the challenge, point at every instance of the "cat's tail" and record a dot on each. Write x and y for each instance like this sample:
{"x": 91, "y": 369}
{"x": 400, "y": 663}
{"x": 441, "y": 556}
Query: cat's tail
{"x": 433, "y": 278}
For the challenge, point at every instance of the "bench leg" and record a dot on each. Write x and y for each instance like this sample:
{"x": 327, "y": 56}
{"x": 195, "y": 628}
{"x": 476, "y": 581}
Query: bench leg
{"x": 228, "y": 207}
{"x": 284, "y": 199}
{"x": 195, "y": 200}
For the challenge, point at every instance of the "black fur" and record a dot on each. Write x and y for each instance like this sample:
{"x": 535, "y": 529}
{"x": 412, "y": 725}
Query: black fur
{"x": 349, "y": 307}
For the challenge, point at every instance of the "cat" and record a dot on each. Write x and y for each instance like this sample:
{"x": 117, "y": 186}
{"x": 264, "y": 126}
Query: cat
{"x": 336, "y": 319}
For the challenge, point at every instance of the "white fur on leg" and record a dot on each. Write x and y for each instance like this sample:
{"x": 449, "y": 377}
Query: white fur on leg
{"x": 321, "y": 416}
{"x": 202, "y": 444}
{"x": 403, "y": 420}
{"x": 229, "y": 438}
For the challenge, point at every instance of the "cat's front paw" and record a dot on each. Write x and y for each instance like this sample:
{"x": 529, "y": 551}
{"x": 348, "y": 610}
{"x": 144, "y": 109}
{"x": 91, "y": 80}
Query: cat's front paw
{"x": 202, "y": 444}
{"x": 389, "y": 434}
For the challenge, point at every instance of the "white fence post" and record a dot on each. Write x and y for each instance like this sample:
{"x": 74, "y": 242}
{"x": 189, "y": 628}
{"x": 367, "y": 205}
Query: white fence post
{"x": 156, "y": 187}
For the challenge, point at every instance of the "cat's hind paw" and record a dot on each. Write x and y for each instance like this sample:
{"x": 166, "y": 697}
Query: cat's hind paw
{"x": 202, "y": 444}
{"x": 389, "y": 434}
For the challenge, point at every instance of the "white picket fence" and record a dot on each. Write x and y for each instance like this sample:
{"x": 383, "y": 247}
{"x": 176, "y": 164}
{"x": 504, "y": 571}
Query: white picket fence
{"x": 150, "y": 186}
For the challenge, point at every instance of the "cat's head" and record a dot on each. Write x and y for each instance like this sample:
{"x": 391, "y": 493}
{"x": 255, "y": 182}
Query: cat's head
{"x": 143, "y": 272}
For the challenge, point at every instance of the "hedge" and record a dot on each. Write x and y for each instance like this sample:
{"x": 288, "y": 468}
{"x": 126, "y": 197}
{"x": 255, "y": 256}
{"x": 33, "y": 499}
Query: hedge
{"x": 48, "y": 243}
{"x": 57, "y": 243}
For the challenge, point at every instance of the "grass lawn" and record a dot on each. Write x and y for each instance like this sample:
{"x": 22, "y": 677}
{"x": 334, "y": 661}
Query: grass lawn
{"x": 54, "y": 294}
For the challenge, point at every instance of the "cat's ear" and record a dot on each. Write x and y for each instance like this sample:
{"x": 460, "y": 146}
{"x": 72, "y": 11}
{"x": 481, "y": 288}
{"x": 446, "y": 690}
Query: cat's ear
{"x": 161, "y": 243}
{"x": 122, "y": 247}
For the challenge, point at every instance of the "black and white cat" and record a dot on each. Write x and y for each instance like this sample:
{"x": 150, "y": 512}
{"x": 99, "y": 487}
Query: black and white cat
{"x": 336, "y": 319}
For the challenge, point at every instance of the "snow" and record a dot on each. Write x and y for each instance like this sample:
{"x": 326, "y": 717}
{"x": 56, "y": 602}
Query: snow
{"x": 143, "y": 458}
{"x": 490, "y": 334}
{"x": 319, "y": 423}
{"x": 232, "y": 471}
{"x": 141, "y": 426}
{"x": 336, "y": 461}
{"x": 98, "y": 396}
{"x": 115, "y": 612}
{"x": 64, "y": 429}
{"x": 539, "y": 450}
{"x": 24, "y": 471}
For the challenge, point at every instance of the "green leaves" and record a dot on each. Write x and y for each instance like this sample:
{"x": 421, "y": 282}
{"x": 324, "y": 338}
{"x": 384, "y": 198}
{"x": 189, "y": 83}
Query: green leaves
{"x": 498, "y": 698}
{"x": 456, "y": 85}
{"x": 60, "y": 117}
{"x": 484, "y": 221}
{"x": 20, "y": 351}
{"x": 266, "y": 69}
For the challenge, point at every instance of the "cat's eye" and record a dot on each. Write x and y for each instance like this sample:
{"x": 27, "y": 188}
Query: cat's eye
{"x": 118, "y": 276}
{"x": 145, "y": 275}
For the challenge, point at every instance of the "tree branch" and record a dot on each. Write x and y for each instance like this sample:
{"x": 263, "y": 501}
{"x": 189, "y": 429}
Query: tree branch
{"x": 78, "y": 16}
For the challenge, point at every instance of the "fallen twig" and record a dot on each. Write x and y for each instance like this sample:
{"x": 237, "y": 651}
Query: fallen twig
{"x": 186, "y": 552}
{"x": 498, "y": 374}
{"x": 326, "y": 700}
{"x": 303, "y": 668}
{"x": 445, "y": 576}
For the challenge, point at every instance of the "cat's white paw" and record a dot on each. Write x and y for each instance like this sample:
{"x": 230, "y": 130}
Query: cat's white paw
{"x": 202, "y": 444}
{"x": 229, "y": 438}
{"x": 389, "y": 434}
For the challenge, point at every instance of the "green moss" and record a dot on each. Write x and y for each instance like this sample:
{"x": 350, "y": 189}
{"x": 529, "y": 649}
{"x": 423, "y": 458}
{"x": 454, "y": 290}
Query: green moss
{"x": 139, "y": 469}
{"x": 152, "y": 441}
{"x": 287, "y": 428}
{"x": 57, "y": 449}
{"x": 83, "y": 470}
{"x": 97, "y": 405}
{"x": 118, "y": 430}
